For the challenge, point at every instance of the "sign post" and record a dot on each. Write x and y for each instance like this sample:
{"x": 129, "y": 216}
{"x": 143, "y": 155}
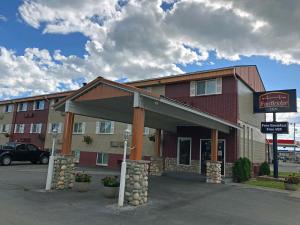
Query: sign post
{"x": 275, "y": 158}
{"x": 275, "y": 102}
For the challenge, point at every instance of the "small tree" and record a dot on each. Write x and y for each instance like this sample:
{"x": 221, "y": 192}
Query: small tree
{"x": 241, "y": 170}
{"x": 264, "y": 169}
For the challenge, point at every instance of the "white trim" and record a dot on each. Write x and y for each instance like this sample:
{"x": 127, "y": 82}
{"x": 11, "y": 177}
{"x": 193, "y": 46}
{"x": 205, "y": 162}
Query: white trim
{"x": 82, "y": 128}
{"x": 218, "y": 87}
{"x": 98, "y": 164}
{"x": 24, "y": 103}
{"x": 184, "y": 138}
{"x": 200, "y": 155}
{"x": 98, "y": 126}
{"x": 35, "y": 102}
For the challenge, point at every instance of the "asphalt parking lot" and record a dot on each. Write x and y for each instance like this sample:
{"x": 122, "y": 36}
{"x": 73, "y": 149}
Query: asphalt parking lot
{"x": 172, "y": 201}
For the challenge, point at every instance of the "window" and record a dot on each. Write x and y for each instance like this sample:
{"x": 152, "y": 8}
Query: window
{"x": 102, "y": 159}
{"x": 4, "y": 128}
{"x": 19, "y": 128}
{"x": 208, "y": 87}
{"x": 105, "y": 127}
{"x": 184, "y": 151}
{"x": 32, "y": 147}
{"x": 76, "y": 156}
{"x": 8, "y": 108}
{"x": 146, "y": 129}
{"x": 55, "y": 126}
{"x": 22, "y": 106}
{"x": 36, "y": 128}
{"x": 79, "y": 128}
{"x": 39, "y": 105}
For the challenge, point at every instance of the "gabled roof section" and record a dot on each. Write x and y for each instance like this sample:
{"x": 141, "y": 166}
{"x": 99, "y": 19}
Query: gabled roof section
{"x": 247, "y": 73}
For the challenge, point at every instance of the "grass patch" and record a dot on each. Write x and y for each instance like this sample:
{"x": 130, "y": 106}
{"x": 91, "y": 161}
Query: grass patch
{"x": 285, "y": 174}
{"x": 266, "y": 183}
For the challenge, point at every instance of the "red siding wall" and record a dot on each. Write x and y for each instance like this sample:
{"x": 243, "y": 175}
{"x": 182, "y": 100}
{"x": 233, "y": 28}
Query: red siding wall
{"x": 223, "y": 105}
{"x": 28, "y": 117}
{"x": 197, "y": 133}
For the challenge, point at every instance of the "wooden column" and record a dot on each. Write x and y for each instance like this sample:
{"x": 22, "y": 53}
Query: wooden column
{"x": 137, "y": 133}
{"x": 68, "y": 131}
{"x": 214, "y": 145}
{"x": 157, "y": 142}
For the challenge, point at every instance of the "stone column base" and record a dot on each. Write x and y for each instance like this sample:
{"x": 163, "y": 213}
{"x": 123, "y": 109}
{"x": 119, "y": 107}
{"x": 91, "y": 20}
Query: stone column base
{"x": 63, "y": 172}
{"x": 136, "y": 187}
{"x": 156, "y": 166}
{"x": 213, "y": 172}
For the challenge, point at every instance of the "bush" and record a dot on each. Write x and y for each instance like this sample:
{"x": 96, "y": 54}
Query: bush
{"x": 82, "y": 177}
{"x": 292, "y": 179}
{"x": 264, "y": 169}
{"x": 111, "y": 181}
{"x": 241, "y": 170}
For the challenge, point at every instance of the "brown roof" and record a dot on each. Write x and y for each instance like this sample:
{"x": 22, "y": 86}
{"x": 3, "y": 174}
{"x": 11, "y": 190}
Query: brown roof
{"x": 37, "y": 97}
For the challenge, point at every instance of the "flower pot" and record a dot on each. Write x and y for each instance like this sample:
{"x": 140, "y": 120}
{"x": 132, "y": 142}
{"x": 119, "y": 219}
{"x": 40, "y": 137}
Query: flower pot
{"x": 291, "y": 187}
{"x": 82, "y": 186}
{"x": 110, "y": 192}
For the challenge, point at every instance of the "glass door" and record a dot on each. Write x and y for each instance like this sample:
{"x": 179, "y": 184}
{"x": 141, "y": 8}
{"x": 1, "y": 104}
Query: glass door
{"x": 205, "y": 150}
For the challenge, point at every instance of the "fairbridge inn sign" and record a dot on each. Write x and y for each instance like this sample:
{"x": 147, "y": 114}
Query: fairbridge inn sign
{"x": 275, "y": 102}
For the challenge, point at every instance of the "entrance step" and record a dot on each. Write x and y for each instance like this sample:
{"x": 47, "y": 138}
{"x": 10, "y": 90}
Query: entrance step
{"x": 185, "y": 176}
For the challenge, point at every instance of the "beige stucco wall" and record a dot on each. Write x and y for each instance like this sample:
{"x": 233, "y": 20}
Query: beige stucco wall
{"x": 101, "y": 142}
{"x": 5, "y": 118}
{"x": 251, "y": 140}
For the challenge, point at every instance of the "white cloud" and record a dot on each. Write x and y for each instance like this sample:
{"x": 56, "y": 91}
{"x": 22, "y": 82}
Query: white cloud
{"x": 138, "y": 39}
{"x": 3, "y": 18}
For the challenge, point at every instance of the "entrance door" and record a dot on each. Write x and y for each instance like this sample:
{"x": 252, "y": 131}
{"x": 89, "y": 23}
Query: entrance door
{"x": 205, "y": 150}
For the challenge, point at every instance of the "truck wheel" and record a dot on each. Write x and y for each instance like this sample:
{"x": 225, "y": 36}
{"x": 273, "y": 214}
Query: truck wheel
{"x": 6, "y": 160}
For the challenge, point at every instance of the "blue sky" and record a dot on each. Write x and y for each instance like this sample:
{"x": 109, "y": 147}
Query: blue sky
{"x": 49, "y": 46}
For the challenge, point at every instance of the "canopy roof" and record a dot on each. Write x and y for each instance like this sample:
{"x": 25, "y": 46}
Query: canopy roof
{"x": 110, "y": 100}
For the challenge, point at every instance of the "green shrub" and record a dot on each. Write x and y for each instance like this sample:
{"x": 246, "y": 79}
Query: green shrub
{"x": 82, "y": 177}
{"x": 264, "y": 169}
{"x": 111, "y": 181}
{"x": 241, "y": 170}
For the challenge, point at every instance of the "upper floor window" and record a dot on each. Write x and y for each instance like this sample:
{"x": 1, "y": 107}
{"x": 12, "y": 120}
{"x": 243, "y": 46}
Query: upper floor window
{"x": 8, "y": 108}
{"x": 36, "y": 128}
{"x": 39, "y": 105}
{"x": 55, "y": 126}
{"x": 206, "y": 87}
{"x": 4, "y": 128}
{"x": 105, "y": 127}
{"x": 79, "y": 128}
{"x": 19, "y": 128}
{"x": 146, "y": 129}
{"x": 22, "y": 106}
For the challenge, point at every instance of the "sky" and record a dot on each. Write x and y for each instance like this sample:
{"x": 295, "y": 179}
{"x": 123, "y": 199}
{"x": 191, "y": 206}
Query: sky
{"x": 54, "y": 45}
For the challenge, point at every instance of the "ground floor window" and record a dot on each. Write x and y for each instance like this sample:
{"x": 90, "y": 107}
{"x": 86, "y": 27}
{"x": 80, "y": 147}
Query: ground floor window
{"x": 76, "y": 156}
{"x": 184, "y": 147}
{"x": 102, "y": 159}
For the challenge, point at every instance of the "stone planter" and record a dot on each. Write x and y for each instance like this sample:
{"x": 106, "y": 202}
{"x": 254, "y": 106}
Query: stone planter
{"x": 291, "y": 187}
{"x": 110, "y": 192}
{"x": 82, "y": 186}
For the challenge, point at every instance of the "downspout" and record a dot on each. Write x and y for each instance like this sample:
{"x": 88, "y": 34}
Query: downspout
{"x": 237, "y": 140}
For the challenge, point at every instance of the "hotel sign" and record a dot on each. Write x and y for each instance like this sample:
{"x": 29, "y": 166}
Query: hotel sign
{"x": 275, "y": 101}
{"x": 275, "y": 127}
